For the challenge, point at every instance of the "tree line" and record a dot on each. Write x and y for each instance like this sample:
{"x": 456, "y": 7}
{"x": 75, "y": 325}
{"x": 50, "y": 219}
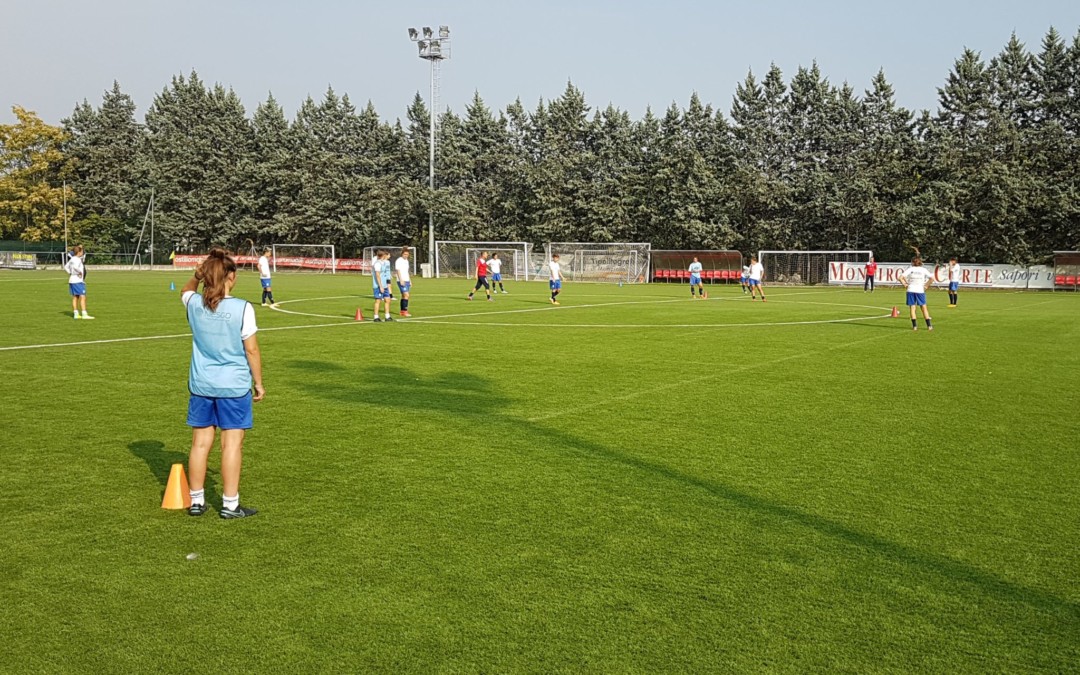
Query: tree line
{"x": 799, "y": 163}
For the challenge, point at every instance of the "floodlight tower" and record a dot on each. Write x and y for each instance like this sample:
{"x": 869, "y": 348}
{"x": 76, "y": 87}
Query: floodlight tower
{"x": 434, "y": 50}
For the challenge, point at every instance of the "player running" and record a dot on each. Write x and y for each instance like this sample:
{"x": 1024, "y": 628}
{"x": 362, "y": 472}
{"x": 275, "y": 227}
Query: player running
{"x": 757, "y": 274}
{"x": 264, "y": 279}
{"x": 495, "y": 270}
{"x": 380, "y": 283}
{"x": 76, "y": 269}
{"x": 954, "y": 280}
{"x": 481, "y": 276}
{"x": 695, "y": 280}
{"x": 404, "y": 281}
{"x": 225, "y": 365}
{"x": 917, "y": 278}
{"x": 555, "y": 282}
{"x": 744, "y": 279}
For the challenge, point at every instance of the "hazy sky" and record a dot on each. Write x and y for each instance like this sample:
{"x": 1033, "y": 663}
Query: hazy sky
{"x": 631, "y": 53}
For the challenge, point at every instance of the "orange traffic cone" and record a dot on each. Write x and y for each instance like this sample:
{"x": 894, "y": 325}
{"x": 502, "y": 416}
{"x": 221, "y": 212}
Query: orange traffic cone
{"x": 895, "y": 312}
{"x": 359, "y": 315}
{"x": 177, "y": 492}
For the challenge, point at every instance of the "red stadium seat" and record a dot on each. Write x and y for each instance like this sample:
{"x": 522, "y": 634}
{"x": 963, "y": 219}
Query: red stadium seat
{"x": 1059, "y": 280}
{"x": 1070, "y": 281}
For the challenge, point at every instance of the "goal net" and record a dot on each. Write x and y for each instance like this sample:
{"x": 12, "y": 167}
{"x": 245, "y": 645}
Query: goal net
{"x": 610, "y": 261}
{"x": 395, "y": 253}
{"x": 805, "y": 267}
{"x": 304, "y": 257}
{"x": 458, "y": 258}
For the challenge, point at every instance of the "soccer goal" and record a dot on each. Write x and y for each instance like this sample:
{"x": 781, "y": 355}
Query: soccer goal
{"x": 309, "y": 257}
{"x": 805, "y": 267}
{"x": 458, "y": 258}
{"x": 395, "y": 253}
{"x": 605, "y": 261}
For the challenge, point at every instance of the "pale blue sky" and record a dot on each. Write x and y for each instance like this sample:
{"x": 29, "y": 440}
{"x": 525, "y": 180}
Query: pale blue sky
{"x": 632, "y": 53}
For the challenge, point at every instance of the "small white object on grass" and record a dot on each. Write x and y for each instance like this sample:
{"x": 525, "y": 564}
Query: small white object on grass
{"x": 192, "y": 556}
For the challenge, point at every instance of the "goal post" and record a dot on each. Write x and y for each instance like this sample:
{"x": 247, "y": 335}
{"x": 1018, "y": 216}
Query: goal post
{"x": 613, "y": 262}
{"x": 314, "y": 257}
{"x": 458, "y": 258}
{"x": 805, "y": 267}
{"x": 395, "y": 253}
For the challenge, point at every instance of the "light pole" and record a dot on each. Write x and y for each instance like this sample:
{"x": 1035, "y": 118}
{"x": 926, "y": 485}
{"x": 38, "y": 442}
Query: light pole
{"x": 434, "y": 50}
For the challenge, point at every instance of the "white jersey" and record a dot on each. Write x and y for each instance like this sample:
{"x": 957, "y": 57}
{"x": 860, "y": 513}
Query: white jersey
{"x": 954, "y": 273}
{"x": 401, "y": 266}
{"x": 264, "y": 267}
{"x": 746, "y": 271}
{"x": 247, "y": 325}
{"x": 695, "y": 268}
{"x": 918, "y": 278}
{"x": 556, "y": 270}
{"x": 757, "y": 271}
{"x": 494, "y": 266}
{"x": 75, "y": 269}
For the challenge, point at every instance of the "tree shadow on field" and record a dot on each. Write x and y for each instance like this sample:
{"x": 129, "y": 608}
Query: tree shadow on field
{"x": 160, "y": 461}
{"x": 470, "y": 395}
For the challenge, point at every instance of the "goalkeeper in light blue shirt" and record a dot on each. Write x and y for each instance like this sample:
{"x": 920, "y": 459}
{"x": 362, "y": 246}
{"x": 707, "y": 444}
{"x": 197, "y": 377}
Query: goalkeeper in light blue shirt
{"x": 695, "y": 280}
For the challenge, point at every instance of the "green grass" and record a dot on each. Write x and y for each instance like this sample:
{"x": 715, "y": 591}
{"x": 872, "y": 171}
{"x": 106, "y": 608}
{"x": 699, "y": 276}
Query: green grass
{"x": 628, "y": 482}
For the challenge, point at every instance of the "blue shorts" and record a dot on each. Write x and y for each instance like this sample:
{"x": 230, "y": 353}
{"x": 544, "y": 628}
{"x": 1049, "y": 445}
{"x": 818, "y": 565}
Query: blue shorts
{"x": 744, "y": 279}
{"x": 754, "y": 282}
{"x": 954, "y": 286}
{"x": 496, "y": 277}
{"x": 917, "y": 299}
{"x": 694, "y": 280}
{"x": 223, "y": 413}
{"x": 404, "y": 287}
{"x": 379, "y": 295}
{"x": 77, "y": 289}
{"x": 265, "y": 282}
{"x": 555, "y": 285}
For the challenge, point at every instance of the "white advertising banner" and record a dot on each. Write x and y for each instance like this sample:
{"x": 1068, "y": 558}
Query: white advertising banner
{"x": 978, "y": 276}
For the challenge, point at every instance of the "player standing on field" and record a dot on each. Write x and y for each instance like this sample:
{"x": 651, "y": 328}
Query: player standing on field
{"x": 481, "y": 276}
{"x": 76, "y": 269}
{"x": 954, "y": 280}
{"x": 757, "y": 274}
{"x": 695, "y": 279}
{"x": 225, "y": 364}
{"x": 917, "y": 278}
{"x": 745, "y": 279}
{"x": 264, "y": 279}
{"x": 404, "y": 281}
{"x": 555, "y": 282}
{"x": 495, "y": 269}
{"x": 871, "y": 272}
{"x": 380, "y": 282}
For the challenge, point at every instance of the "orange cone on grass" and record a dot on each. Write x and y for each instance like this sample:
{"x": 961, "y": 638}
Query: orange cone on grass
{"x": 359, "y": 315}
{"x": 895, "y": 312}
{"x": 177, "y": 492}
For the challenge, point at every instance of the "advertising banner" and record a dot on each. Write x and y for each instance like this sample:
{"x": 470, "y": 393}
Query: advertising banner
{"x": 18, "y": 260}
{"x": 289, "y": 262}
{"x": 978, "y": 276}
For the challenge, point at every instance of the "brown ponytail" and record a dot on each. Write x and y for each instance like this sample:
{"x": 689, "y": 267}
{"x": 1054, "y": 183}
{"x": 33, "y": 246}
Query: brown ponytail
{"x": 213, "y": 272}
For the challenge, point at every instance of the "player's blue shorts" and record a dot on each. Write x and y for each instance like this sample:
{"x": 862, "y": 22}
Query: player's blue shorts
{"x": 744, "y": 279}
{"x": 404, "y": 287}
{"x": 555, "y": 285}
{"x": 379, "y": 295}
{"x": 954, "y": 286}
{"x": 77, "y": 289}
{"x": 496, "y": 277}
{"x": 917, "y": 299}
{"x": 223, "y": 413}
{"x": 754, "y": 282}
{"x": 694, "y": 280}
{"x": 265, "y": 282}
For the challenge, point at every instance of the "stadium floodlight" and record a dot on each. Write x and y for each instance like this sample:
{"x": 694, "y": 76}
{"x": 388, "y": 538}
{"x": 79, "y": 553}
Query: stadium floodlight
{"x": 434, "y": 51}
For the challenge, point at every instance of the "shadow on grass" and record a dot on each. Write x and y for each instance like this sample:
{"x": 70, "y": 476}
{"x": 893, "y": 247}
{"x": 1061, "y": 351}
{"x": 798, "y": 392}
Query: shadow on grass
{"x": 469, "y": 395}
{"x": 160, "y": 461}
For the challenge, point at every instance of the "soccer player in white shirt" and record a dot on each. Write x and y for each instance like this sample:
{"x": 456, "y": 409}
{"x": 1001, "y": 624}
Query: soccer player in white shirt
{"x": 495, "y": 272}
{"x": 264, "y": 279}
{"x": 380, "y": 283}
{"x": 76, "y": 270}
{"x": 695, "y": 279}
{"x": 404, "y": 281}
{"x": 757, "y": 274}
{"x": 954, "y": 280}
{"x": 745, "y": 279}
{"x": 917, "y": 278}
{"x": 556, "y": 279}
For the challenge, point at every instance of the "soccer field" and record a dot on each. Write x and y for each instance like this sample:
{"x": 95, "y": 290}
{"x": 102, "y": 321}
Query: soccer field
{"x": 632, "y": 481}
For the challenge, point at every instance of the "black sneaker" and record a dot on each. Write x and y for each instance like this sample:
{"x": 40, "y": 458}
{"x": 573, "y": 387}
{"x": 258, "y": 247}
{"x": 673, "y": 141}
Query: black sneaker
{"x": 238, "y": 512}
{"x": 389, "y": 318}
{"x": 197, "y": 509}
{"x": 377, "y": 320}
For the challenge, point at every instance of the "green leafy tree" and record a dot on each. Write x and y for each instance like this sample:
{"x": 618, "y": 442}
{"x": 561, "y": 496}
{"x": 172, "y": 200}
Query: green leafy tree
{"x": 32, "y": 167}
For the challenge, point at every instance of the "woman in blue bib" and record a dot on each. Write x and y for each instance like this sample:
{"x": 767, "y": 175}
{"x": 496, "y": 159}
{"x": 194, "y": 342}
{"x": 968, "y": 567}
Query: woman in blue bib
{"x": 225, "y": 365}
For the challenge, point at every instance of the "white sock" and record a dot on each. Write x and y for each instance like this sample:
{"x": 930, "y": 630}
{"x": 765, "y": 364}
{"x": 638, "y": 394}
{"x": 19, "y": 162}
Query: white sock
{"x": 85, "y": 313}
{"x": 387, "y": 314}
{"x": 231, "y": 502}
{"x": 198, "y": 497}
{"x": 76, "y": 314}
